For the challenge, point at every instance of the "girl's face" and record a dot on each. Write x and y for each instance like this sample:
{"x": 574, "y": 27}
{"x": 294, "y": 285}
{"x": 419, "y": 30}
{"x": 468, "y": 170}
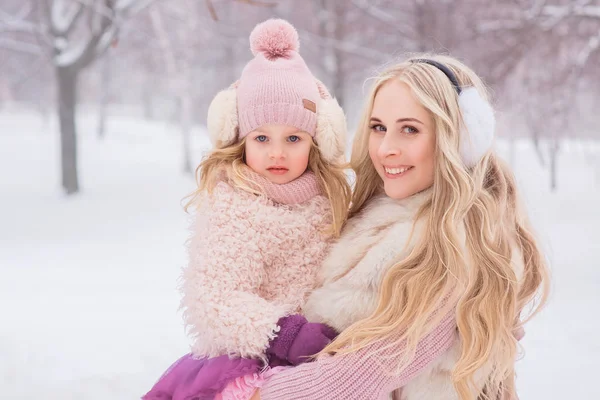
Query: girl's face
{"x": 278, "y": 152}
{"x": 401, "y": 141}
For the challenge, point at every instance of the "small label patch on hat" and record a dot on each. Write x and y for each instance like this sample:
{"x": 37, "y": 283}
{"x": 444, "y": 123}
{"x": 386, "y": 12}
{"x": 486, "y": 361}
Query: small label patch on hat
{"x": 309, "y": 105}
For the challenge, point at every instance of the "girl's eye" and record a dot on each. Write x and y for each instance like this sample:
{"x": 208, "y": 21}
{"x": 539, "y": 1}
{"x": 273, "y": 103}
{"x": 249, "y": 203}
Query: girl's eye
{"x": 294, "y": 139}
{"x": 261, "y": 138}
{"x": 378, "y": 128}
{"x": 409, "y": 130}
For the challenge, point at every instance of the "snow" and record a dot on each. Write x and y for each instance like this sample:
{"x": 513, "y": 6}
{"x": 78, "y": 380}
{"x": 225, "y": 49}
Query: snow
{"x": 70, "y": 56}
{"x": 88, "y": 283}
{"x": 592, "y": 45}
{"x": 60, "y": 43}
{"x": 63, "y": 14}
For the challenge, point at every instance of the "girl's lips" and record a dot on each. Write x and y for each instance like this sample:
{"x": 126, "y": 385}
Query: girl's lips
{"x": 277, "y": 170}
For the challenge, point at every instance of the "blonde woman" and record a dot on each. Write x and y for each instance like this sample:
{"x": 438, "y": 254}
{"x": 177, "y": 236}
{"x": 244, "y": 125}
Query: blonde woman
{"x": 435, "y": 267}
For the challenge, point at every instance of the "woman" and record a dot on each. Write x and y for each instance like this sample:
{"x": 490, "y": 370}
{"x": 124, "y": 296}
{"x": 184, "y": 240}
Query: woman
{"x": 431, "y": 274}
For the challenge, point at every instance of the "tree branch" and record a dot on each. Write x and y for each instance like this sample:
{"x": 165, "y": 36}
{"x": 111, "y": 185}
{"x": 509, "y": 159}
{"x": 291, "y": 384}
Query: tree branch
{"x": 588, "y": 11}
{"x": 257, "y": 3}
{"x": 211, "y": 10}
{"x": 346, "y": 46}
{"x": 21, "y": 47}
{"x": 591, "y": 47}
{"x": 18, "y": 23}
{"x": 63, "y": 17}
{"x": 380, "y": 15}
{"x": 164, "y": 42}
{"x": 102, "y": 25}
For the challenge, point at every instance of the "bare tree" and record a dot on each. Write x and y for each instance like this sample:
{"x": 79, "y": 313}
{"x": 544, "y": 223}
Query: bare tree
{"x": 72, "y": 34}
{"x": 179, "y": 64}
{"x": 79, "y": 32}
{"x": 23, "y": 58}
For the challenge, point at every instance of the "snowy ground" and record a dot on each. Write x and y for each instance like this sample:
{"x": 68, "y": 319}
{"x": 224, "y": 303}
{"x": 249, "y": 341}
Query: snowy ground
{"x": 88, "y": 283}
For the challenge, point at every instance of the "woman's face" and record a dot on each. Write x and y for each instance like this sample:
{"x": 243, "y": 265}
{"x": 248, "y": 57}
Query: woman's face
{"x": 401, "y": 141}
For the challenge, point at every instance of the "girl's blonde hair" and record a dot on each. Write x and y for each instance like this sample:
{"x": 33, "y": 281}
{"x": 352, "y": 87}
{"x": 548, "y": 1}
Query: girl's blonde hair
{"x": 461, "y": 262}
{"x": 229, "y": 163}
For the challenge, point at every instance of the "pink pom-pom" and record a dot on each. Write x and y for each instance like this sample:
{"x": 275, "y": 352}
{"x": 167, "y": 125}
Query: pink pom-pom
{"x": 275, "y": 37}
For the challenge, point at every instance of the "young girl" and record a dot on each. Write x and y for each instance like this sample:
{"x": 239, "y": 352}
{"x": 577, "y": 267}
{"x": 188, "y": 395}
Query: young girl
{"x": 429, "y": 279}
{"x": 269, "y": 197}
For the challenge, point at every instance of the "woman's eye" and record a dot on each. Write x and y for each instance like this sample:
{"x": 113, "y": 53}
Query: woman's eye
{"x": 261, "y": 138}
{"x": 378, "y": 128}
{"x": 409, "y": 130}
{"x": 294, "y": 138}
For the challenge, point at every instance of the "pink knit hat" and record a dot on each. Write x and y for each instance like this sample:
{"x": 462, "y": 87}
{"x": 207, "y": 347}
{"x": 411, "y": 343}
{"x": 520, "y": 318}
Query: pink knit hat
{"x": 276, "y": 87}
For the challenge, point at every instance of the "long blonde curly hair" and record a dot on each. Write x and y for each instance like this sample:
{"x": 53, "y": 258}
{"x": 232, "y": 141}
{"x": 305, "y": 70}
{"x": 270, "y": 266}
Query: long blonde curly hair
{"x": 463, "y": 260}
{"x": 229, "y": 162}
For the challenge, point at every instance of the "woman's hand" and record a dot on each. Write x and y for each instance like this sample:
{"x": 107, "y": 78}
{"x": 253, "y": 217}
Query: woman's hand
{"x": 256, "y": 395}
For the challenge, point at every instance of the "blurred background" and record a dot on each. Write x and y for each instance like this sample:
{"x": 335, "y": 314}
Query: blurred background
{"x": 102, "y": 123}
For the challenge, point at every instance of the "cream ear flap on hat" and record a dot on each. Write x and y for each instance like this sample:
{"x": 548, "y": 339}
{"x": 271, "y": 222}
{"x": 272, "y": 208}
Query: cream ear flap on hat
{"x": 222, "y": 121}
{"x": 331, "y": 127}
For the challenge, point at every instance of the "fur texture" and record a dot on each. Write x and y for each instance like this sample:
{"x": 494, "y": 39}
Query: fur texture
{"x": 252, "y": 261}
{"x": 222, "y": 121}
{"x": 331, "y": 129}
{"x": 477, "y": 137}
{"x": 351, "y": 275}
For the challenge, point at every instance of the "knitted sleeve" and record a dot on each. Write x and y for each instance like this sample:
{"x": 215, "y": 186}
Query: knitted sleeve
{"x": 360, "y": 375}
{"x": 221, "y": 306}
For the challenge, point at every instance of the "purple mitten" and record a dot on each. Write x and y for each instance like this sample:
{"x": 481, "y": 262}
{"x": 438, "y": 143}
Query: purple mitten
{"x": 288, "y": 330}
{"x": 311, "y": 339}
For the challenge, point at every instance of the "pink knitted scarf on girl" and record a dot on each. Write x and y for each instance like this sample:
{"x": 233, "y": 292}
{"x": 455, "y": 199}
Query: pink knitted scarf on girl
{"x": 300, "y": 190}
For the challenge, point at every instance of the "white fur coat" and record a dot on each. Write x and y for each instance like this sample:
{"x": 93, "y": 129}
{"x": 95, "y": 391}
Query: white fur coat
{"x": 353, "y": 271}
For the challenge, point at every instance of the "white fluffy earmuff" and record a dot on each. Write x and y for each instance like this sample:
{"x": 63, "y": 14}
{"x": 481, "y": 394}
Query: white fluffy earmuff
{"x": 479, "y": 123}
{"x": 477, "y": 135}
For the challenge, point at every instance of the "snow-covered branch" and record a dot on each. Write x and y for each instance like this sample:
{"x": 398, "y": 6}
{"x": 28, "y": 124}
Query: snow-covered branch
{"x": 499, "y": 25}
{"x": 20, "y": 15}
{"x": 383, "y": 16}
{"x": 98, "y": 7}
{"x": 588, "y": 11}
{"x": 347, "y": 46}
{"x": 591, "y": 47}
{"x": 104, "y": 19}
{"x": 63, "y": 16}
{"x": 134, "y": 6}
{"x": 18, "y": 22}
{"x": 164, "y": 42}
{"x": 21, "y": 47}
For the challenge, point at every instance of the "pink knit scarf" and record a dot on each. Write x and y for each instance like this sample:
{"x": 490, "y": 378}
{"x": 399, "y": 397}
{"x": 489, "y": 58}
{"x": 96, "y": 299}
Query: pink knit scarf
{"x": 300, "y": 190}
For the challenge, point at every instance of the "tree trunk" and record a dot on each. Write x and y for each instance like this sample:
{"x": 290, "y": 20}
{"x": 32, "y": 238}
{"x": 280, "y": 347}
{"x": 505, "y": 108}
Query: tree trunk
{"x": 6, "y": 95}
{"x": 67, "y": 100}
{"x": 333, "y": 60}
{"x": 512, "y": 151}
{"x": 147, "y": 102}
{"x": 104, "y": 95}
{"x": 230, "y": 73}
{"x": 186, "y": 127}
{"x": 554, "y": 147}
{"x": 538, "y": 150}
